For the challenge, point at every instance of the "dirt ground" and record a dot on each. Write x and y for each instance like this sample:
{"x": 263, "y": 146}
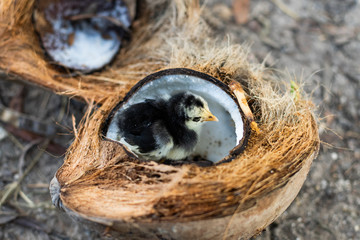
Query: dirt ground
{"x": 316, "y": 41}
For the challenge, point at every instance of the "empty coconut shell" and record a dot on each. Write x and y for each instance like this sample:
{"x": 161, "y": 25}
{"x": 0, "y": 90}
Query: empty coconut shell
{"x": 82, "y": 35}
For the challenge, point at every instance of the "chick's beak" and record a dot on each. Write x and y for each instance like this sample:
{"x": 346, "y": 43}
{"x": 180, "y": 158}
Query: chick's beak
{"x": 208, "y": 116}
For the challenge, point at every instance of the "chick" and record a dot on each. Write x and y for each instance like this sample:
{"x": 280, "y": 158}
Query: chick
{"x": 164, "y": 129}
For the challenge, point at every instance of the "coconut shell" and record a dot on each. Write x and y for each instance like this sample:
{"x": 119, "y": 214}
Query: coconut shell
{"x": 221, "y": 135}
{"x": 100, "y": 184}
{"x": 82, "y": 35}
{"x": 244, "y": 223}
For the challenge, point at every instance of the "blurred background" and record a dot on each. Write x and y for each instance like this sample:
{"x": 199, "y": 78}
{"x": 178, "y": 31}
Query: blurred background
{"x": 316, "y": 42}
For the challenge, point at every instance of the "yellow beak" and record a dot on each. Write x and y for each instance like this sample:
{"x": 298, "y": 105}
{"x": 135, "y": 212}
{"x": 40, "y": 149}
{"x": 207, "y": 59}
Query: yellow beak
{"x": 208, "y": 116}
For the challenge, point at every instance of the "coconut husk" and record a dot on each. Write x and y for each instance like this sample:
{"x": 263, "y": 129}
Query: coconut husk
{"x": 100, "y": 183}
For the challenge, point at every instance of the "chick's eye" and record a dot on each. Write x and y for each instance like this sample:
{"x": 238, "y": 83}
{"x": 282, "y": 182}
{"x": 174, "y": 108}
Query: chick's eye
{"x": 196, "y": 119}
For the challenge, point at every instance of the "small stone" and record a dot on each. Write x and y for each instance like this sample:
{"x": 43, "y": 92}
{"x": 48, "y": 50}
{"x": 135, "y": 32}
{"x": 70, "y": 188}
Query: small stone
{"x": 357, "y": 154}
{"x": 324, "y": 184}
{"x": 3, "y": 133}
{"x": 334, "y": 156}
{"x": 16, "y": 176}
{"x": 223, "y": 12}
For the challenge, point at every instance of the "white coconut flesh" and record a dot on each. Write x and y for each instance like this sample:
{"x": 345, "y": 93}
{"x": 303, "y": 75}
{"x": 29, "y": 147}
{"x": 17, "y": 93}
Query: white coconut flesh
{"x": 88, "y": 51}
{"x": 216, "y": 138}
{"x": 84, "y": 44}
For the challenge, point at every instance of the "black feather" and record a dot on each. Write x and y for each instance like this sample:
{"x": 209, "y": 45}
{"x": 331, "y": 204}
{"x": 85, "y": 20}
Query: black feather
{"x": 137, "y": 123}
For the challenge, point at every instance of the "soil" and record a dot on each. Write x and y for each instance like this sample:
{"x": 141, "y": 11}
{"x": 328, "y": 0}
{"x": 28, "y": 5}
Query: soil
{"x": 316, "y": 42}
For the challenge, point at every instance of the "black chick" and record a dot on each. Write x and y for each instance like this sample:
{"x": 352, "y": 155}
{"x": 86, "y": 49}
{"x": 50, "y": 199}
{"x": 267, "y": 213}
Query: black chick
{"x": 164, "y": 129}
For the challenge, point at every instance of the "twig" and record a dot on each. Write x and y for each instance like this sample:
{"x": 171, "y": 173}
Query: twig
{"x": 24, "y": 152}
{"x": 62, "y": 111}
{"x": 53, "y": 148}
{"x": 43, "y": 105}
{"x": 12, "y": 187}
{"x": 15, "y": 140}
{"x": 26, "y": 199}
{"x": 282, "y": 6}
{"x": 32, "y": 224}
{"x": 38, "y": 185}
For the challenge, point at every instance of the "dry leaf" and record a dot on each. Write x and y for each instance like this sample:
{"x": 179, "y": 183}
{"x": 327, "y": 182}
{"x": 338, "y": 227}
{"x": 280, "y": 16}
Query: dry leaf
{"x": 241, "y": 9}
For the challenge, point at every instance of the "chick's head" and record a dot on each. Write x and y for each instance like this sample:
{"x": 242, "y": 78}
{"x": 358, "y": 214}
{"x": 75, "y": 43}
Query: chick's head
{"x": 193, "y": 108}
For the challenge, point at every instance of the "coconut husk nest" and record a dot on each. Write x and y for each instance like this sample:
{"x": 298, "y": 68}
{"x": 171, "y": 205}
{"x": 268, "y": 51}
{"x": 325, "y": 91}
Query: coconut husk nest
{"x": 99, "y": 183}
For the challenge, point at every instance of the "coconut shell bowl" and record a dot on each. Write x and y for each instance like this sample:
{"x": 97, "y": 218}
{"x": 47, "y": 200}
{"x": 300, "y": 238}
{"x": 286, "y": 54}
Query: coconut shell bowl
{"x": 246, "y": 168}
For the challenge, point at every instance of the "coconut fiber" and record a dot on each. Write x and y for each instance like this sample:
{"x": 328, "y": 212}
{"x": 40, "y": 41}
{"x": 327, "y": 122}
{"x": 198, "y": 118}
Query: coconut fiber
{"x": 99, "y": 180}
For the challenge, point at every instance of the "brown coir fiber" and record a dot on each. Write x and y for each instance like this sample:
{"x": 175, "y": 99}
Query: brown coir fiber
{"x": 100, "y": 181}
{"x": 98, "y": 169}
